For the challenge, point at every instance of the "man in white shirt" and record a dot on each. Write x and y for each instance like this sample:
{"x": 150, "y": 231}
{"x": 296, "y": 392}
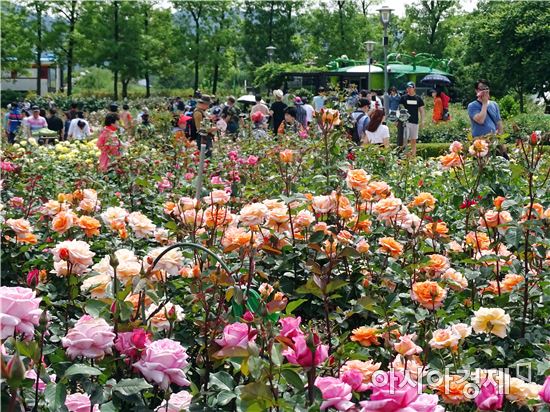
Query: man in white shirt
{"x": 79, "y": 129}
{"x": 309, "y": 110}
{"x": 319, "y": 100}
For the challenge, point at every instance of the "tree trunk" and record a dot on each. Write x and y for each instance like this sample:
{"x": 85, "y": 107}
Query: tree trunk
{"x": 70, "y": 49}
{"x": 115, "y": 59}
{"x": 125, "y": 83}
{"x": 38, "y": 49}
{"x": 197, "y": 18}
{"x": 147, "y": 81}
{"x": 216, "y": 71}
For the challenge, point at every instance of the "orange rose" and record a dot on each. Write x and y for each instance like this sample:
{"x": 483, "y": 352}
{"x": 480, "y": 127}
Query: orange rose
{"x": 253, "y": 214}
{"x": 390, "y": 246}
{"x": 357, "y": 179}
{"x": 451, "y": 160}
{"x": 456, "y": 280}
{"x": 376, "y": 190}
{"x": 365, "y": 336}
{"x": 478, "y": 240}
{"x": 19, "y": 226}
{"x": 89, "y": 225}
{"x": 537, "y": 212}
{"x": 65, "y": 197}
{"x": 63, "y": 221}
{"x": 424, "y": 201}
{"x": 28, "y": 237}
{"x": 452, "y": 389}
{"x": 235, "y": 238}
{"x": 217, "y": 216}
{"x": 428, "y": 294}
{"x": 437, "y": 264}
{"x": 511, "y": 280}
{"x": 362, "y": 246}
{"x": 364, "y": 225}
{"x": 479, "y": 148}
{"x": 436, "y": 229}
{"x": 387, "y": 207}
{"x": 498, "y": 202}
{"x": 286, "y": 156}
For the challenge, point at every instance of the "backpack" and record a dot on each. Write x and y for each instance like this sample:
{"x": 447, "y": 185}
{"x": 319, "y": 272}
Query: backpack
{"x": 354, "y": 130}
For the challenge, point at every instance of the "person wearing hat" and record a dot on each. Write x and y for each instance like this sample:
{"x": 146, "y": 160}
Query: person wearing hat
{"x": 200, "y": 131}
{"x": 35, "y": 122}
{"x": 415, "y": 106}
{"x": 277, "y": 110}
{"x": 231, "y": 114}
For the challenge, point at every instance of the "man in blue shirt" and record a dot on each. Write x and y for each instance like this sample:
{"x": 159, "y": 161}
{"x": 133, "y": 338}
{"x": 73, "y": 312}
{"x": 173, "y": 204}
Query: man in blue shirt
{"x": 484, "y": 114}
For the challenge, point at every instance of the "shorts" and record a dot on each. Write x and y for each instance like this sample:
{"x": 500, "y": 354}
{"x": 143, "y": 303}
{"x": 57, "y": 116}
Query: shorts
{"x": 412, "y": 131}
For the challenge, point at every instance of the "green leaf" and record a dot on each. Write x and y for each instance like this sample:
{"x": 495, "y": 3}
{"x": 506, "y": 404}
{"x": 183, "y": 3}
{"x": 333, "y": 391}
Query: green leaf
{"x": 223, "y": 398}
{"x": 108, "y": 407}
{"x": 335, "y": 285}
{"x": 317, "y": 237}
{"x": 129, "y": 387}
{"x": 293, "y": 305}
{"x": 94, "y": 307}
{"x": 293, "y": 379}
{"x": 80, "y": 369}
{"x": 55, "y": 394}
{"x": 276, "y": 354}
{"x": 222, "y": 380}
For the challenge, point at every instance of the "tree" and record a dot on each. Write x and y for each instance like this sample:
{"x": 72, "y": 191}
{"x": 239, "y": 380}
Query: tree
{"x": 16, "y": 55}
{"x": 508, "y": 44}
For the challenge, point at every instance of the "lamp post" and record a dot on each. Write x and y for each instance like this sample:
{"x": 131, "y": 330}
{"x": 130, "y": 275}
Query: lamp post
{"x": 385, "y": 15}
{"x": 369, "y": 46}
{"x": 270, "y": 51}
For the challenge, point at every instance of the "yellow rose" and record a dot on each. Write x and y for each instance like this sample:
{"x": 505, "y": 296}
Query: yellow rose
{"x": 491, "y": 320}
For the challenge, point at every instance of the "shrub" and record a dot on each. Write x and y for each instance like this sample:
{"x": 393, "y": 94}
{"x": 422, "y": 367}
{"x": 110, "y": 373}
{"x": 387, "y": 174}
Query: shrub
{"x": 509, "y": 106}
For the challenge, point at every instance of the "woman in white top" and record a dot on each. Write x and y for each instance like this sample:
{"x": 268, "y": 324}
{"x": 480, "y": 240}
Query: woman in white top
{"x": 79, "y": 128}
{"x": 377, "y": 133}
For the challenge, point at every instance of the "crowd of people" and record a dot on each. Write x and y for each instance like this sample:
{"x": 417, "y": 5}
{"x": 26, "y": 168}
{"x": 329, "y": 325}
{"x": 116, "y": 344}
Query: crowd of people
{"x": 202, "y": 118}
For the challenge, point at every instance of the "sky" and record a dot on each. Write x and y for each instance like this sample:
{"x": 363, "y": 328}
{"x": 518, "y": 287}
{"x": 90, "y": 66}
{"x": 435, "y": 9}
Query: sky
{"x": 399, "y": 5}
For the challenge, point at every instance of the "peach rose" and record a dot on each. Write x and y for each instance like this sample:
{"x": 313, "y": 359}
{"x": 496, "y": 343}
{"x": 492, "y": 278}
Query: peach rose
{"x": 76, "y": 252}
{"x": 494, "y": 218}
{"x": 375, "y": 191}
{"x": 217, "y": 216}
{"x": 344, "y": 237}
{"x": 405, "y": 345}
{"x": 444, "y": 338}
{"x": 160, "y": 320}
{"x": 274, "y": 204}
{"x": 170, "y": 262}
{"x": 424, "y": 201}
{"x": 365, "y": 336}
{"x": 193, "y": 217}
{"x": 456, "y": 147}
{"x": 114, "y": 215}
{"x": 437, "y": 265}
{"x": 304, "y": 218}
{"x": 478, "y": 240}
{"x": 278, "y": 216}
{"x": 19, "y": 226}
{"x": 390, "y": 246}
{"x": 357, "y": 179}
{"x": 253, "y": 214}
{"x": 96, "y": 285}
{"x": 217, "y": 197}
{"x": 491, "y": 320}
{"x": 365, "y": 368}
{"x": 90, "y": 225}
{"x": 89, "y": 202}
{"x": 53, "y": 207}
{"x": 479, "y": 148}
{"x": 435, "y": 229}
{"x": 537, "y": 212}
{"x": 428, "y": 294}
{"x": 187, "y": 203}
{"x": 462, "y": 330}
{"x": 414, "y": 366}
{"x": 456, "y": 280}
{"x": 362, "y": 246}
{"x": 142, "y": 226}
{"x": 28, "y": 237}
{"x": 323, "y": 204}
{"x": 234, "y": 238}
{"x": 387, "y": 208}
{"x": 452, "y": 389}
{"x": 286, "y": 156}
{"x": 451, "y": 160}
{"x": 63, "y": 221}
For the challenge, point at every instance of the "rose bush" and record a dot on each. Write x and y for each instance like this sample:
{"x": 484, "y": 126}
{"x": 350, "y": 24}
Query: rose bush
{"x": 308, "y": 273}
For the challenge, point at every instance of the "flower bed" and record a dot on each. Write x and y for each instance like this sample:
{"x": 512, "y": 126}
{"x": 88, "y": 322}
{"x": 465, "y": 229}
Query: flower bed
{"x": 306, "y": 276}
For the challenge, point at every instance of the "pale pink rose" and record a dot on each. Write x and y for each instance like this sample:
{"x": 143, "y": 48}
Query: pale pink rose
{"x": 77, "y": 252}
{"x": 17, "y": 202}
{"x": 189, "y": 176}
{"x": 19, "y": 311}
{"x": 62, "y": 269}
{"x": 91, "y": 338}
{"x": 425, "y": 403}
{"x": 217, "y": 197}
{"x": 132, "y": 343}
{"x": 162, "y": 363}
{"x": 265, "y": 290}
{"x": 414, "y": 366}
{"x": 217, "y": 180}
{"x": 336, "y": 394}
{"x": 31, "y": 374}
{"x": 303, "y": 218}
{"x": 170, "y": 262}
{"x": 80, "y": 402}
{"x": 164, "y": 184}
{"x": 178, "y": 402}
{"x": 456, "y": 147}
{"x": 406, "y": 346}
{"x": 141, "y": 225}
{"x": 323, "y": 204}
{"x": 235, "y": 340}
{"x": 253, "y": 214}
{"x": 290, "y": 327}
{"x": 89, "y": 203}
{"x": 19, "y": 226}
{"x": 53, "y": 207}
{"x": 114, "y": 216}
{"x": 300, "y": 353}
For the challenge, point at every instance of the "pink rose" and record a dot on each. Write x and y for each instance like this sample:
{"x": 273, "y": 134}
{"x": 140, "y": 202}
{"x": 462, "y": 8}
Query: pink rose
{"x": 162, "y": 363}
{"x": 235, "y": 340}
{"x": 406, "y": 346}
{"x": 132, "y": 343}
{"x": 77, "y": 252}
{"x": 252, "y": 160}
{"x": 19, "y": 311}
{"x": 354, "y": 378}
{"x": 336, "y": 394}
{"x": 31, "y": 374}
{"x": 300, "y": 354}
{"x": 178, "y": 402}
{"x": 456, "y": 147}
{"x": 488, "y": 398}
{"x": 425, "y": 403}
{"x": 390, "y": 393}
{"x": 90, "y": 337}
{"x": 7, "y": 166}
{"x": 216, "y": 180}
{"x": 290, "y": 327}
{"x": 188, "y": 176}
{"x": 233, "y": 155}
{"x": 545, "y": 391}
{"x": 17, "y": 202}
{"x": 164, "y": 184}
{"x": 80, "y": 402}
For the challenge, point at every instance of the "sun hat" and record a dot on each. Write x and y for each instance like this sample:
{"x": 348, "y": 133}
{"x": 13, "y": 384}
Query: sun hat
{"x": 278, "y": 93}
{"x": 298, "y": 100}
{"x": 35, "y": 108}
{"x": 205, "y": 99}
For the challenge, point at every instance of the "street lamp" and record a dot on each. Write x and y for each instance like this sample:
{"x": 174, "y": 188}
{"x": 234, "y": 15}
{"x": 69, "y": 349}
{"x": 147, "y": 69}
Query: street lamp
{"x": 369, "y": 46}
{"x": 270, "y": 51}
{"x": 385, "y": 16}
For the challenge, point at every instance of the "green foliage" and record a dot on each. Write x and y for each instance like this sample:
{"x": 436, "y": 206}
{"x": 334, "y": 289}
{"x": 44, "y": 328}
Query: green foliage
{"x": 509, "y": 106}
{"x": 270, "y": 75}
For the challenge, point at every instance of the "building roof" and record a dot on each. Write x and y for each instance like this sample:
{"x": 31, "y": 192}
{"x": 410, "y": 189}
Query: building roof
{"x": 392, "y": 68}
